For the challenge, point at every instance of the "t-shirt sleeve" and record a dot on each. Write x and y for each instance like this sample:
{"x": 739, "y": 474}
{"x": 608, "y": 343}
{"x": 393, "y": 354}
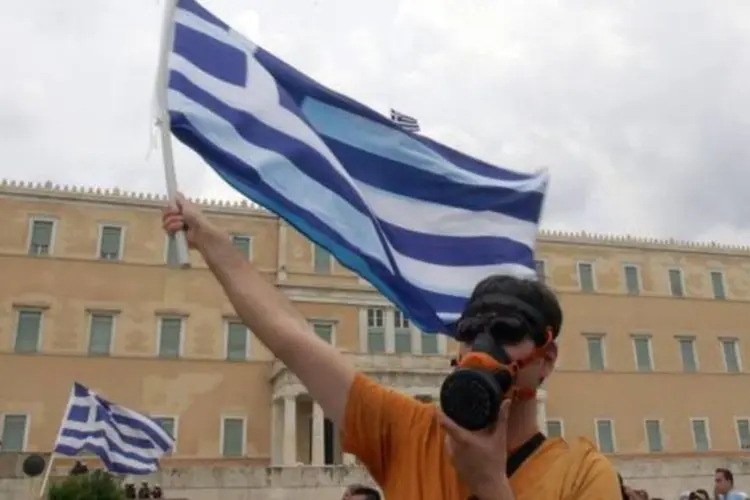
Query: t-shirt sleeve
{"x": 376, "y": 420}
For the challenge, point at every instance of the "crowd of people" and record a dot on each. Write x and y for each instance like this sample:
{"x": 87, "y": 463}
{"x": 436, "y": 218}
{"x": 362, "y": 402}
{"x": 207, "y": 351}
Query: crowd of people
{"x": 723, "y": 489}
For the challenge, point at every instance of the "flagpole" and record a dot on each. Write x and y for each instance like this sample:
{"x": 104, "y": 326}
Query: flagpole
{"x": 47, "y": 473}
{"x": 53, "y": 455}
{"x": 162, "y": 121}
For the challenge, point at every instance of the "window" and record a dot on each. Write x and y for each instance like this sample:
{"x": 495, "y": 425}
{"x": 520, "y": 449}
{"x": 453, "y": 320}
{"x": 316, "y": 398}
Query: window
{"x": 429, "y": 343}
{"x": 642, "y": 346}
{"x": 110, "y": 242}
{"x": 42, "y": 236}
{"x": 687, "y": 353}
{"x": 676, "y": 285}
{"x": 101, "y": 328}
{"x": 28, "y": 331}
{"x": 402, "y": 332}
{"x": 653, "y": 436}
{"x": 632, "y": 279}
{"x": 233, "y": 437}
{"x": 321, "y": 260}
{"x": 743, "y": 433}
{"x": 244, "y": 244}
{"x": 169, "y": 424}
{"x": 541, "y": 270}
{"x": 595, "y": 345}
{"x": 554, "y": 428}
{"x": 717, "y": 285}
{"x": 375, "y": 330}
{"x": 324, "y": 331}
{"x": 605, "y": 436}
{"x": 170, "y": 337}
{"x": 237, "y": 341}
{"x": 701, "y": 439}
{"x": 731, "y": 355}
{"x": 14, "y": 432}
{"x": 586, "y": 277}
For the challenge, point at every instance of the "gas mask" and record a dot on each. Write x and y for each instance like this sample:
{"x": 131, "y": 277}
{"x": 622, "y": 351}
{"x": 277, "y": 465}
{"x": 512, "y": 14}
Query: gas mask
{"x": 472, "y": 394}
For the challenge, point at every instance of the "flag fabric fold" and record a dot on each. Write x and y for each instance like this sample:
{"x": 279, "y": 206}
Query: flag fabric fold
{"x": 420, "y": 221}
{"x": 126, "y": 441}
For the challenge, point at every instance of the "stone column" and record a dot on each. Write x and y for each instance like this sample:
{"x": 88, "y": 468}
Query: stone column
{"x": 416, "y": 339}
{"x": 283, "y": 237}
{"x": 541, "y": 409}
{"x": 442, "y": 344}
{"x": 277, "y": 431}
{"x": 289, "y": 456}
{"x": 317, "y": 436}
{"x": 390, "y": 330}
{"x": 363, "y": 329}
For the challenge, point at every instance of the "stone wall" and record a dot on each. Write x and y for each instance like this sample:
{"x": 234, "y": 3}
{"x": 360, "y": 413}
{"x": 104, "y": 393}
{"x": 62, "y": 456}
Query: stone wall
{"x": 663, "y": 477}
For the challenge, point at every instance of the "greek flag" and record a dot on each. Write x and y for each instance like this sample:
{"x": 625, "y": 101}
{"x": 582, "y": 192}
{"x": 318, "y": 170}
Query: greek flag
{"x": 421, "y": 222}
{"x": 125, "y": 440}
{"x": 406, "y": 122}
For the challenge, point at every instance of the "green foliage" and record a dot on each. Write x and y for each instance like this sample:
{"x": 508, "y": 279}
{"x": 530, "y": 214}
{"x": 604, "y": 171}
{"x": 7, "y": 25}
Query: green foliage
{"x": 96, "y": 485}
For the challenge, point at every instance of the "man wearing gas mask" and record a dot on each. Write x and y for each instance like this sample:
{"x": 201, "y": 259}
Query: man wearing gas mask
{"x": 482, "y": 443}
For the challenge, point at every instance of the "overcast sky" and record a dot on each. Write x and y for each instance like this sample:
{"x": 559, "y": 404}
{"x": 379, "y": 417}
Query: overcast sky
{"x": 640, "y": 108}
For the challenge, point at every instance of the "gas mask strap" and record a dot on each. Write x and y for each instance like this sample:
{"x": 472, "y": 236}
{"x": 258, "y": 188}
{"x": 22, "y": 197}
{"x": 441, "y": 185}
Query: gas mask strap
{"x": 527, "y": 393}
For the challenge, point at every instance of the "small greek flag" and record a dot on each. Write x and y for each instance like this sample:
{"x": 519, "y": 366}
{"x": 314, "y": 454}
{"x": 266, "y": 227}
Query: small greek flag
{"x": 126, "y": 441}
{"x": 406, "y": 122}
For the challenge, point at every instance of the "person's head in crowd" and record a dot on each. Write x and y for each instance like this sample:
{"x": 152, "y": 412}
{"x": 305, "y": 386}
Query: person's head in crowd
{"x": 79, "y": 469}
{"x": 622, "y": 487}
{"x": 699, "y": 495}
{"x": 130, "y": 490}
{"x": 361, "y": 492}
{"x": 723, "y": 481}
{"x": 493, "y": 300}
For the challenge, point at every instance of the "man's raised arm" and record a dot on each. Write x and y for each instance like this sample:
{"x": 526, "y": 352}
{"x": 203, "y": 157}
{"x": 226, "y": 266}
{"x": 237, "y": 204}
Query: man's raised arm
{"x": 267, "y": 312}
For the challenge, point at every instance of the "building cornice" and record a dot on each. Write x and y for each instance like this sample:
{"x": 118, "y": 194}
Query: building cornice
{"x": 115, "y": 196}
{"x": 79, "y": 194}
{"x": 330, "y": 295}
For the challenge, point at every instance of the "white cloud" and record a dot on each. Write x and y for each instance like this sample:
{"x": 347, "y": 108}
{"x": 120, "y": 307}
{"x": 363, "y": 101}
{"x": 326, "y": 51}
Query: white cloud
{"x": 638, "y": 108}
{"x": 248, "y": 23}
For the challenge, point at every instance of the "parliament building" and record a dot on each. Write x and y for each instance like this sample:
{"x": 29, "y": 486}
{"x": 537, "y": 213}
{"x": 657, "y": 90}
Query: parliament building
{"x": 651, "y": 353}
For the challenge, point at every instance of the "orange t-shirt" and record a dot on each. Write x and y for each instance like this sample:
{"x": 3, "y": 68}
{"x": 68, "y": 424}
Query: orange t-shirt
{"x": 400, "y": 441}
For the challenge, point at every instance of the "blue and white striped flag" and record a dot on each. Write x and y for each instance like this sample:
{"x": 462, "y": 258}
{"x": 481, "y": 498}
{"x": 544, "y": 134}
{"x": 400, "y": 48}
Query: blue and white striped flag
{"x": 125, "y": 440}
{"x": 406, "y": 122}
{"x": 420, "y": 221}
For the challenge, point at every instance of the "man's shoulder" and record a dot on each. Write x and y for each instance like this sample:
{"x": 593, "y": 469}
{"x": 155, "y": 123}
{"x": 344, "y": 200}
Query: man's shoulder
{"x": 589, "y": 460}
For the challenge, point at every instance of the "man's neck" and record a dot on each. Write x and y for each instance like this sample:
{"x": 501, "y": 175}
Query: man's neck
{"x": 522, "y": 424}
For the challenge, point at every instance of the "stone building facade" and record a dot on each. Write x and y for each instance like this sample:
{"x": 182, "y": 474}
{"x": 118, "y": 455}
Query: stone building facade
{"x": 651, "y": 354}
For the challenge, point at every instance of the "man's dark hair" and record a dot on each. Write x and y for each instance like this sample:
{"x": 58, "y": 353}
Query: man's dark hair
{"x": 365, "y": 491}
{"x": 486, "y": 304}
{"x": 727, "y": 474}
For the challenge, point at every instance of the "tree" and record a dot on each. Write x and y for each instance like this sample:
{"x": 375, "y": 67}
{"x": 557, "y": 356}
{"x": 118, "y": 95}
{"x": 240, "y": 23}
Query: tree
{"x": 97, "y": 485}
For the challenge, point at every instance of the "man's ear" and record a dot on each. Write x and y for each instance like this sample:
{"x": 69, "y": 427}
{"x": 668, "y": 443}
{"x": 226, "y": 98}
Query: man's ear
{"x": 550, "y": 358}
